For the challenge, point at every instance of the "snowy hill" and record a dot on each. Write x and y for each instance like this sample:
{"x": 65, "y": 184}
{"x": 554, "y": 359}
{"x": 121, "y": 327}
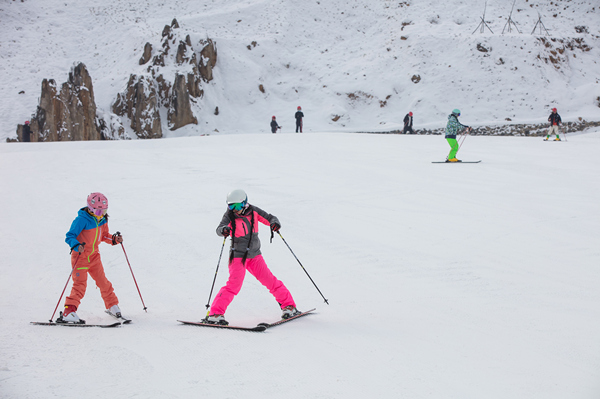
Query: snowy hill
{"x": 444, "y": 281}
{"x": 358, "y": 60}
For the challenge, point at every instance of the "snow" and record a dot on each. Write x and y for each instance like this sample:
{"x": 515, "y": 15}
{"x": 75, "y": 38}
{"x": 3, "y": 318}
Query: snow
{"x": 444, "y": 281}
{"x": 316, "y": 54}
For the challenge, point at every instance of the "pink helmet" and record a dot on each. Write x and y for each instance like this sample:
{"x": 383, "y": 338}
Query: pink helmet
{"x": 410, "y": 113}
{"x": 299, "y": 107}
{"x": 273, "y": 117}
{"x": 553, "y": 109}
{"x": 27, "y": 122}
{"x": 98, "y": 203}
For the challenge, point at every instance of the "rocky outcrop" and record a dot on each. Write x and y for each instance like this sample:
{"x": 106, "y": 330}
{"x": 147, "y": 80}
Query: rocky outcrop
{"x": 68, "y": 113}
{"x": 147, "y": 54}
{"x": 208, "y": 60}
{"x": 139, "y": 104}
{"x": 180, "y": 111}
{"x": 146, "y": 94}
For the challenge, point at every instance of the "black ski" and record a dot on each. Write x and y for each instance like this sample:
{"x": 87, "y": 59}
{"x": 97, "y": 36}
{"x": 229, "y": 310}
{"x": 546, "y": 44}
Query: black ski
{"x": 121, "y": 318}
{"x": 456, "y": 162}
{"x": 47, "y": 323}
{"x": 269, "y": 325}
{"x": 258, "y": 328}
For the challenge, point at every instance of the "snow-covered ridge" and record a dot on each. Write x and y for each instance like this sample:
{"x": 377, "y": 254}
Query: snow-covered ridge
{"x": 368, "y": 63}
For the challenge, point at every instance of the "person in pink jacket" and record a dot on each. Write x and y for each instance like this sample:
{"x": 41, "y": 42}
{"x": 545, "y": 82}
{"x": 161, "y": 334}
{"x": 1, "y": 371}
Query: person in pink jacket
{"x": 240, "y": 221}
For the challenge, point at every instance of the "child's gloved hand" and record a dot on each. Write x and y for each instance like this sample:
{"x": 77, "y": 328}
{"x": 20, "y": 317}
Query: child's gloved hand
{"x": 226, "y": 231}
{"x": 117, "y": 238}
{"x": 79, "y": 247}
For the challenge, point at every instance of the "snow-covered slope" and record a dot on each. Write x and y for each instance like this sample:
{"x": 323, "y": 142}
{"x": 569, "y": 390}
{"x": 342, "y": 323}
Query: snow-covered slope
{"x": 355, "y": 59}
{"x": 444, "y": 281}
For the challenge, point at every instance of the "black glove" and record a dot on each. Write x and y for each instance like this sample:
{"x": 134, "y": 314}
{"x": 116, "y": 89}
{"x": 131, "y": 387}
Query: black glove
{"x": 275, "y": 227}
{"x": 78, "y": 247}
{"x": 226, "y": 231}
{"x": 117, "y": 238}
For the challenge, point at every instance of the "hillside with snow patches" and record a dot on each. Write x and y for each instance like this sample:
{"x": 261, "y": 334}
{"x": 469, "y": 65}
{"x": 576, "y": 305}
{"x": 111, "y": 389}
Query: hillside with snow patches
{"x": 357, "y": 60}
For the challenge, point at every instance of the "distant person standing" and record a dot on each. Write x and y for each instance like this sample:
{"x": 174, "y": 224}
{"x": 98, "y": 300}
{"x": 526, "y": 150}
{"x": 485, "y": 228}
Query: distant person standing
{"x": 26, "y": 132}
{"x": 452, "y": 129}
{"x": 274, "y": 125}
{"x": 299, "y": 115}
{"x": 555, "y": 122}
{"x": 408, "y": 123}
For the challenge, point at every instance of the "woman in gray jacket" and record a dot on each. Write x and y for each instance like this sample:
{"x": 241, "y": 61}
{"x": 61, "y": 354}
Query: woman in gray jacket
{"x": 240, "y": 222}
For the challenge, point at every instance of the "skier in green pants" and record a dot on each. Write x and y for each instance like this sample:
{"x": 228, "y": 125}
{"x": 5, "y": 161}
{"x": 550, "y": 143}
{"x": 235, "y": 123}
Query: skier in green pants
{"x": 452, "y": 129}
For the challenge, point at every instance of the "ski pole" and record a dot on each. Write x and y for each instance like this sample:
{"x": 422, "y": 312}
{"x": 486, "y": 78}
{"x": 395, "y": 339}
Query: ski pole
{"x": 464, "y": 137}
{"x": 132, "y": 275}
{"x": 68, "y": 279}
{"x": 215, "y": 279}
{"x": 300, "y": 263}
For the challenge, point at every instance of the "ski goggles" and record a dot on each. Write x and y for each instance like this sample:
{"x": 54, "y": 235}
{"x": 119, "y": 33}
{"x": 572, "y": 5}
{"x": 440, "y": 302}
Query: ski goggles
{"x": 99, "y": 212}
{"x": 237, "y": 206}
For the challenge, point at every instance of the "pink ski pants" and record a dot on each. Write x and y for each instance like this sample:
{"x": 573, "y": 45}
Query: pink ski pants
{"x": 258, "y": 268}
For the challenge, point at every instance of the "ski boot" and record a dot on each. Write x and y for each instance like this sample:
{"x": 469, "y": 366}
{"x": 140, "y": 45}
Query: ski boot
{"x": 454, "y": 160}
{"x": 216, "y": 319}
{"x": 557, "y": 139}
{"x": 546, "y": 139}
{"x": 69, "y": 316}
{"x": 114, "y": 311}
{"x": 289, "y": 311}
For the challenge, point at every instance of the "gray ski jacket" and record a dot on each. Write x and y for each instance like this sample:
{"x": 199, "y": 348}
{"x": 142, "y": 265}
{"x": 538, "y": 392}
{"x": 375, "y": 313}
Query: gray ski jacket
{"x": 244, "y": 230}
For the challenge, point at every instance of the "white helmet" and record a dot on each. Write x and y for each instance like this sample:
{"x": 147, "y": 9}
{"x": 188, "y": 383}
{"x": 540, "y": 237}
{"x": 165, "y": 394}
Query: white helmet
{"x": 237, "y": 196}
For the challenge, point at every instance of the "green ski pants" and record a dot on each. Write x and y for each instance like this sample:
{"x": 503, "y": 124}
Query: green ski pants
{"x": 453, "y": 148}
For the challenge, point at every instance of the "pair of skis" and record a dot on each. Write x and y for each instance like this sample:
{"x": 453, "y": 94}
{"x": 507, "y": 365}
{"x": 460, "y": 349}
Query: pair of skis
{"x": 121, "y": 321}
{"x": 258, "y": 328}
{"x": 457, "y": 162}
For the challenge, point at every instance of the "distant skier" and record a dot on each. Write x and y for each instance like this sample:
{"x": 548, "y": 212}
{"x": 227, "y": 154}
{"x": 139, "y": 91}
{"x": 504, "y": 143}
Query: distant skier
{"x": 240, "y": 222}
{"x": 408, "y": 123}
{"x": 299, "y": 115}
{"x": 555, "y": 122}
{"x": 87, "y": 230}
{"x": 452, "y": 129}
{"x": 274, "y": 125}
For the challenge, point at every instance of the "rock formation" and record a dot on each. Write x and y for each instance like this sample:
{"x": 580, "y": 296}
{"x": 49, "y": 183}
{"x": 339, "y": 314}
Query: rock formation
{"x": 68, "y": 114}
{"x": 139, "y": 103}
{"x": 147, "y": 93}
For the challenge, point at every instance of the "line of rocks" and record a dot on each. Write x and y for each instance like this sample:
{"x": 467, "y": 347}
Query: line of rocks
{"x": 524, "y": 130}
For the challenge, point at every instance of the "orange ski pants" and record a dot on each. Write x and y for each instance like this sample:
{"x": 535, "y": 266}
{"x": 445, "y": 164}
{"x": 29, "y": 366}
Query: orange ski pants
{"x": 92, "y": 265}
